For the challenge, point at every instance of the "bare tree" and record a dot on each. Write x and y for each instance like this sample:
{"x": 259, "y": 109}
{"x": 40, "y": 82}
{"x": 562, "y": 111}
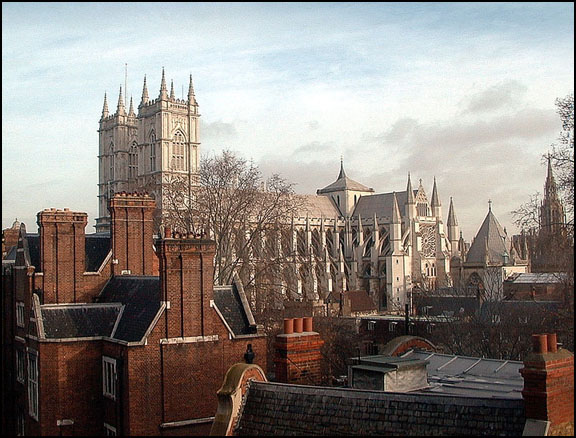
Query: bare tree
{"x": 247, "y": 216}
{"x": 527, "y": 216}
{"x": 562, "y": 154}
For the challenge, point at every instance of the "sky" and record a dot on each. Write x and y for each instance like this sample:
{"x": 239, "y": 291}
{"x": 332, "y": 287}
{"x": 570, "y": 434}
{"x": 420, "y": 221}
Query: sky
{"x": 463, "y": 92}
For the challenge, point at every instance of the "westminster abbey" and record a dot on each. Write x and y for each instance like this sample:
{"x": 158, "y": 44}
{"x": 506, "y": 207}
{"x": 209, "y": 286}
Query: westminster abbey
{"x": 384, "y": 243}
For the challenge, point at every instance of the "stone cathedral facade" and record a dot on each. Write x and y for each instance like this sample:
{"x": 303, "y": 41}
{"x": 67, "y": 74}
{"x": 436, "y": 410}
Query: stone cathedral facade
{"x": 346, "y": 237}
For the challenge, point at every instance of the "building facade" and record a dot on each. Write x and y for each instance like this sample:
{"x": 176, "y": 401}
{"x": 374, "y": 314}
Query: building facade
{"x": 99, "y": 339}
{"x": 346, "y": 237}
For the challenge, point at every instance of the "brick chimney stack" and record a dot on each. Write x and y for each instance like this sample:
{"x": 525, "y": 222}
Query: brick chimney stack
{"x": 186, "y": 278}
{"x": 132, "y": 222}
{"x": 549, "y": 383}
{"x": 62, "y": 254}
{"x": 298, "y": 356}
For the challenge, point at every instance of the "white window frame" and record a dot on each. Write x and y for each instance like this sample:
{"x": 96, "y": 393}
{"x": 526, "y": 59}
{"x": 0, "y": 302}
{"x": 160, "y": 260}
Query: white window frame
{"x": 110, "y": 430}
{"x": 20, "y": 424}
{"x": 371, "y": 325}
{"x": 392, "y": 326}
{"x": 109, "y": 377}
{"x": 33, "y": 384}
{"x": 20, "y": 365}
{"x": 20, "y": 314}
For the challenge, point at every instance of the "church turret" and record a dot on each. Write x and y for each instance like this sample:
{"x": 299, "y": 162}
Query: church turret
{"x": 104, "y": 108}
{"x": 552, "y": 211}
{"x": 191, "y": 96}
{"x": 435, "y": 203}
{"x": 410, "y": 205}
{"x": 396, "y": 225}
{"x": 120, "y": 109}
{"x": 163, "y": 90}
{"x": 145, "y": 98}
{"x": 452, "y": 224}
{"x": 131, "y": 112}
{"x": 172, "y": 95}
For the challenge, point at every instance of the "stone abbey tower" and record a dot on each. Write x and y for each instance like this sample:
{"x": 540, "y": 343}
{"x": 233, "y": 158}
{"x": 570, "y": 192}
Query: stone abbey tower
{"x": 138, "y": 152}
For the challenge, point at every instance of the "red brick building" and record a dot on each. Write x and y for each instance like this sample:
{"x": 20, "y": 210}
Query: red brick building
{"x": 116, "y": 334}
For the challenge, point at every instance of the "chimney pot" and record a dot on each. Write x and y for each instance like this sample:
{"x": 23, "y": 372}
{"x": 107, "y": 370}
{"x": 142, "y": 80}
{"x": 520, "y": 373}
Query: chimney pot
{"x": 308, "y": 324}
{"x": 298, "y": 326}
{"x": 539, "y": 344}
{"x": 288, "y": 326}
{"x": 167, "y": 232}
{"x": 552, "y": 342}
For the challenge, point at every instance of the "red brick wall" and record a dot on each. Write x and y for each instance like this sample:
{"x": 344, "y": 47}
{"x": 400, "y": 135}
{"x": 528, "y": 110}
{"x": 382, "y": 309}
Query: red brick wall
{"x": 298, "y": 358}
{"x": 187, "y": 283}
{"x": 62, "y": 254}
{"x": 69, "y": 388}
{"x": 549, "y": 383}
{"x": 132, "y": 232}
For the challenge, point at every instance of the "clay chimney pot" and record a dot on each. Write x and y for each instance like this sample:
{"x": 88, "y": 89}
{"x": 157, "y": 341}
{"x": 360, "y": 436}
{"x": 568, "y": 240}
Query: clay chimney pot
{"x": 308, "y": 324}
{"x": 288, "y": 326}
{"x": 298, "y": 325}
{"x": 540, "y": 344}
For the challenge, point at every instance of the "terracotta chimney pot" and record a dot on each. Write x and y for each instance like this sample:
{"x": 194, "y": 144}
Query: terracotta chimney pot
{"x": 298, "y": 325}
{"x": 308, "y": 324}
{"x": 552, "y": 342}
{"x": 288, "y": 326}
{"x": 540, "y": 344}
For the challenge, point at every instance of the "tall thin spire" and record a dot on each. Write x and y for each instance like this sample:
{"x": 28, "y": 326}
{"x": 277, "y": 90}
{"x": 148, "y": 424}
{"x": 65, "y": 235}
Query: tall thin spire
{"x": 172, "y": 95}
{"x": 395, "y": 210}
{"x": 131, "y": 112}
{"x": 163, "y": 90}
{"x": 191, "y": 95}
{"x": 145, "y": 98}
{"x": 435, "y": 202}
{"x": 120, "y": 109}
{"x": 409, "y": 192}
{"x": 452, "y": 221}
{"x": 342, "y": 173}
{"x": 550, "y": 191}
{"x": 105, "y": 107}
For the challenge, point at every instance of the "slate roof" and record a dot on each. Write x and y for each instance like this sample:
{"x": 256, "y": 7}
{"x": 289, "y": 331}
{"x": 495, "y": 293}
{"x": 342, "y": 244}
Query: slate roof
{"x": 318, "y": 206}
{"x": 381, "y": 204}
{"x": 490, "y": 232}
{"x": 537, "y": 278}
{"x": 470, "y": 376}
{"x": 344, "y": 183}
{"x": 284, "y": 409}
{"x": 33, "y": 241}
{"x": 79, "y": 320}
{"x": 441, "y": 305}
{"x": 228, "y": 302}
{"x": 97, "y": 248}
{"x": 141, "y": 297}
{"x": 360, "y": 301}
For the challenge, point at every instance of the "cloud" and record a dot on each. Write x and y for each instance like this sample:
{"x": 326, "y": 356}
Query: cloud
{"x": 504, "y": 95}
{"x": 218, "y": 130}
{"x": 315, "y": 147}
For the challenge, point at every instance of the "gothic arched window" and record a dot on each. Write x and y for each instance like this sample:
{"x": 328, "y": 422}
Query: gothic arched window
{"x": 152, "y": 152}
{"x": 111, "y": 161}
{"x": 178, "y": 151}
{"x": 133, "y": 161}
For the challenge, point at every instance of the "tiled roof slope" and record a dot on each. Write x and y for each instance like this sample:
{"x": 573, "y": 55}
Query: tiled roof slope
{"x": 97, "y": 248}
{"x": 490, "y": 236}
{"x": 79, "y": 321}
{"x": 380, "y": 205}
{"x": 280, "y": 409}
{"x": 229, "y": 304}
{"x": 141, "y": 297}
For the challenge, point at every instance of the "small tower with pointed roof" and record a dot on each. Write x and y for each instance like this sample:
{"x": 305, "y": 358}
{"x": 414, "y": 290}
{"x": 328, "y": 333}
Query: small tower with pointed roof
{"x": 453, "y": 231}
{"x": 435, "y": 203}
{"x": 345, "y": 192}
{"x": 552, "y": 217}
